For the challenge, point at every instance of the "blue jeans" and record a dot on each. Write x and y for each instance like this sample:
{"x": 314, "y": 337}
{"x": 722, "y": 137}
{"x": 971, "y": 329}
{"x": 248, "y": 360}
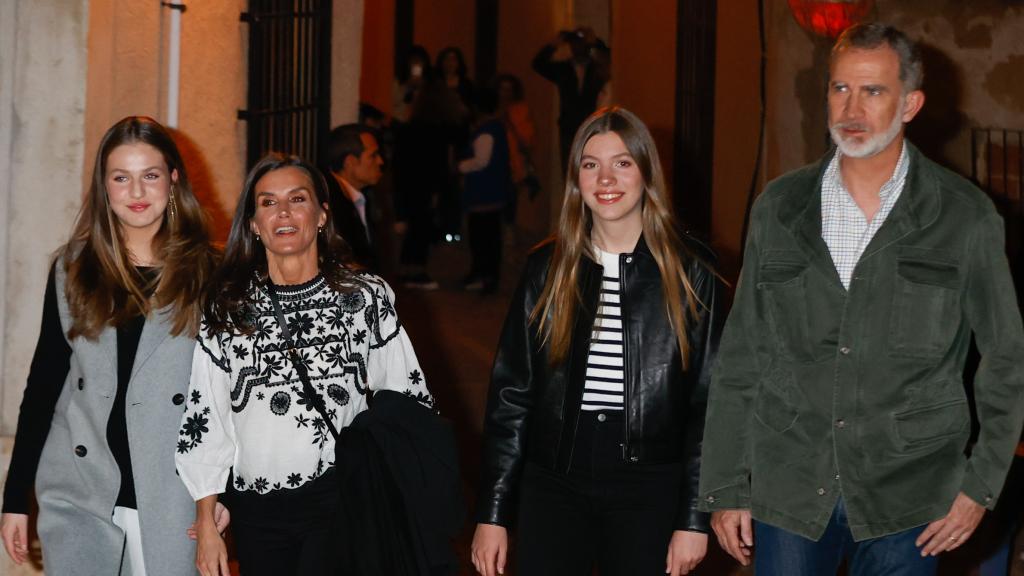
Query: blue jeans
{"x": 778, "y": 552}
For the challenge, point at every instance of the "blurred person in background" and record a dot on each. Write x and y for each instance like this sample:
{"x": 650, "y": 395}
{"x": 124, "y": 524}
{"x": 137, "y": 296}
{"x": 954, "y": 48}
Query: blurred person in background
{"x": 354, "y": 164}
{"x": 487, "y": 189}
{"x": 461, "y": 95}
{"x": 413, "y": 76}
{"x": 515, "y": 115}
{"x": 569, "y": 61}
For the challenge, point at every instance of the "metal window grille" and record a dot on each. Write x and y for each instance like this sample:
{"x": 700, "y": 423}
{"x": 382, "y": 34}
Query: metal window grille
{"x": 997, "y": 166}
{"x": 288, "y": 108}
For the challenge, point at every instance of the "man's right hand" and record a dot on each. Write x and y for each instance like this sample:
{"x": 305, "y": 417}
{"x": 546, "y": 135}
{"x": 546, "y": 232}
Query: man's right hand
{"x": 735, "y": 533}
{"x": 490, "y": 549}
{"x": 14, "y": 529}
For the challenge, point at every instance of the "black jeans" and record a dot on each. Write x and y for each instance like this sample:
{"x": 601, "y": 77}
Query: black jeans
{"x": 286, "y": 531}
{"x": 419, "y": 232}
{"x": 606, "y": 512}
{"x": 485, "y": 244}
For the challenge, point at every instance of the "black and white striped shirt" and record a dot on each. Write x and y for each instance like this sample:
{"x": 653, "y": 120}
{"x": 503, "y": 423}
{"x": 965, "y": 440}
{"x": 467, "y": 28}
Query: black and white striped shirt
{"x": 605, "y": 380}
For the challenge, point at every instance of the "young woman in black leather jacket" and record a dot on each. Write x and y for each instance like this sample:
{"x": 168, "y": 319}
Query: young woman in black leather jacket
{"x": 596, "y": 410}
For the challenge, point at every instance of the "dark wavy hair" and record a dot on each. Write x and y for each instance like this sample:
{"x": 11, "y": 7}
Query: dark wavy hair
{"x": 103, "y": 287}
{"x": 462, "y": 71}
{"x": 228, "y": 307}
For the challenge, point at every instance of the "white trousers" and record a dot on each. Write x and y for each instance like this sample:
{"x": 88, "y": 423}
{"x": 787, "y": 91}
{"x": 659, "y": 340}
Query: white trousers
{"x": 127, "y": 519}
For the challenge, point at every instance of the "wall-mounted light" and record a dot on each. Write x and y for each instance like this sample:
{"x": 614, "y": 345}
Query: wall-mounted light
{"x": 829, "y": 17}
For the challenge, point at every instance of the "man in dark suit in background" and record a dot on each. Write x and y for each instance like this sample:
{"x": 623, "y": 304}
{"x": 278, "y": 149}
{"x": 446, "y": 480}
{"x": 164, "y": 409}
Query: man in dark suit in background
{"x": 354, "y": 164}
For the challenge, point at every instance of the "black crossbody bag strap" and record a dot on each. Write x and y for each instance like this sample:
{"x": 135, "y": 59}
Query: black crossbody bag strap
{"x": 312, "y": 395}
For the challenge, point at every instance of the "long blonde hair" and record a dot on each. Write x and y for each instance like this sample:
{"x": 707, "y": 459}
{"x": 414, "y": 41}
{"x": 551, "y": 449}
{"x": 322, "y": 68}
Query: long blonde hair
{"x": 103, "y": 287}
{"x": 556, "y": 309}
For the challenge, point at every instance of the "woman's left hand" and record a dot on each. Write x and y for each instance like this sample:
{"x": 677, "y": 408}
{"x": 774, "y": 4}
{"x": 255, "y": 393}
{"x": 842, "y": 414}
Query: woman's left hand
{"x": 685, "y": 551}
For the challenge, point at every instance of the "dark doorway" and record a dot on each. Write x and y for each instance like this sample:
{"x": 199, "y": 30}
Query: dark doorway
{"x": 695, "y": 114}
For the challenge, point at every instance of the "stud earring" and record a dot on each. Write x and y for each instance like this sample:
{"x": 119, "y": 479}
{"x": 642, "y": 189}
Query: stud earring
{"x": 320, "y": 230}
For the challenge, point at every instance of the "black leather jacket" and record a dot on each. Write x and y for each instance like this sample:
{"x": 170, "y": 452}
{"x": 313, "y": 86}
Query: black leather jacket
{"x": 533, "y": 408}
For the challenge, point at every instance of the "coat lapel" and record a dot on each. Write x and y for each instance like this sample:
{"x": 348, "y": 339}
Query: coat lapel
{"x": 801, "y": 214}
{"x": 156, "y": 329}
{"x": 917, "y": 206}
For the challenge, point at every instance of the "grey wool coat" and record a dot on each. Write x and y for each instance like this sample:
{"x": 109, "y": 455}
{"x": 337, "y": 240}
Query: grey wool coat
{"x": 77, "y": 481}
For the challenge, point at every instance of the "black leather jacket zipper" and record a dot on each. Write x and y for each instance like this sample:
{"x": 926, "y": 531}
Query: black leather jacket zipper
{"x": 623, "y": 260}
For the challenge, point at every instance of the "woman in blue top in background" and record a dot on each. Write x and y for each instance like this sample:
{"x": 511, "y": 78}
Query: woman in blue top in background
{"x": 486, "y": 192}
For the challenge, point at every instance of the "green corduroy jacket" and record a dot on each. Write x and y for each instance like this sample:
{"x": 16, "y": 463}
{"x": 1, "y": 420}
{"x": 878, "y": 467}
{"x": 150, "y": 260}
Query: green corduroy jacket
{"x": 821, "y": 393}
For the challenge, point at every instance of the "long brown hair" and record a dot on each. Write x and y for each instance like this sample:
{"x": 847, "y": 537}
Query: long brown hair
{"x": 556, "y": 309}
{"x": 103, "y": 287}
{"x": 227, "y": 306}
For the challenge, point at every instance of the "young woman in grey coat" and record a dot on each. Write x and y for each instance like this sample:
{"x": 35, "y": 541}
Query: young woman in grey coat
{"x": 107, "y": 384}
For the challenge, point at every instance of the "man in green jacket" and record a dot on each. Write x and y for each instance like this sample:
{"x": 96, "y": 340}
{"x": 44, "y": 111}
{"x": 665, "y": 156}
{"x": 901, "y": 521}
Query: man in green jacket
{"x": 838, "y": 420}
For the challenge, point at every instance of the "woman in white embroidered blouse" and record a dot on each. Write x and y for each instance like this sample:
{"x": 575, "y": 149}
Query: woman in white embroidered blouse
{"x": 249, "y": 418}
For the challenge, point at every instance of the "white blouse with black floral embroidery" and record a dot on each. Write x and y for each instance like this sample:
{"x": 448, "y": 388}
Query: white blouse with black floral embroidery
{"x": 247, "y": 410}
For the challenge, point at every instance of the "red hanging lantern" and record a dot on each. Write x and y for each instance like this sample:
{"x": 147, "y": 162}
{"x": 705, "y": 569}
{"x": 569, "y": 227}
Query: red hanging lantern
{"x": 829, "y": 17}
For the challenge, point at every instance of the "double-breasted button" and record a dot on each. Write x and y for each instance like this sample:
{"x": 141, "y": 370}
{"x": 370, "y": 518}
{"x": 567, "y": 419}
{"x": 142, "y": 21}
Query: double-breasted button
{"x": 81, "y": 383}
{"x": 821, "y": 491}
{"x": 81, "y": 451}
{"x": 710, "y": 499}
{"x": 601, "y": 417}
{"x": 845, "y": 351}
{"x": 178, "y": 399}
{"x": 634, "y": 458}
{"x": 840, "y": 423}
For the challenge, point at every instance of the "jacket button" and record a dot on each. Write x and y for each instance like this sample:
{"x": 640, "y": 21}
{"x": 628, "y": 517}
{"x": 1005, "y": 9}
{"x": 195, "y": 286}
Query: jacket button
{"x": 840, "y": 423}
{"x": 634, "y": 458}
{"x": 81, "y": 383}
{"x": 821, "y": 491}
{"x": 80, "y": 451}
{"x": 178, "y": 399}
{"x": 601, "y": 417}
{"x": 844, "y": 351}
{"x": 710, "y": 499}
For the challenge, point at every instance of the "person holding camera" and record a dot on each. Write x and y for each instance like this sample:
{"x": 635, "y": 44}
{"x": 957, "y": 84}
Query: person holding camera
{"x": 580, "y": 79}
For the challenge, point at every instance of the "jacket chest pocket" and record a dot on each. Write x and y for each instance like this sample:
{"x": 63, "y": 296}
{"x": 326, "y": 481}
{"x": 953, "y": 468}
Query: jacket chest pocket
{"x": 782, "y": 283}
{"x": 925, "y": 309}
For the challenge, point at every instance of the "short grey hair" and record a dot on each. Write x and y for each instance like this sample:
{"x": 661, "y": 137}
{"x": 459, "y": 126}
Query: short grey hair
{"x": 872, "y": 35}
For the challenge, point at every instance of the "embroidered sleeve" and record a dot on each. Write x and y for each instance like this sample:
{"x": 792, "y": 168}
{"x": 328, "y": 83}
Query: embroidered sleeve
{"x": 379, "y": 314}
{"x": 393, "y": 364}
{"x": 206, "y": 440}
